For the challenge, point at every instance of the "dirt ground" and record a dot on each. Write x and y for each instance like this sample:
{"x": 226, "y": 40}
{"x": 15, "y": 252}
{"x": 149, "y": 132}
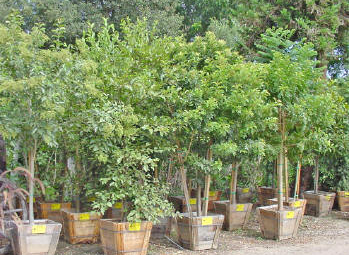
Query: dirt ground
{"x": 316, "y": 236}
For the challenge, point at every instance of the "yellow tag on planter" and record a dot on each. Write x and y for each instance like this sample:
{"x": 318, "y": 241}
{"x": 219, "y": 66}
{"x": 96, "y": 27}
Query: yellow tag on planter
{"x": 134, "y": 227}
{"x": 55, "y": 207}
{"x": 192, "y": 201}
{"x": 290, "y": 215}
{"x": 34, "y": 200}
{"x": 240, "y": 207}
{"x": 246, "y": 190}
{"x": 328, "y": 198}
{"x": 206, "y": 221}
{"x": 39, "y": 229}
{"x": 346, "y": 194}
{"x": 118, "y": 205}
{"x": 297, "y": 204}
{"x": 212, "y": 193}
{"x": 84, "y": 216}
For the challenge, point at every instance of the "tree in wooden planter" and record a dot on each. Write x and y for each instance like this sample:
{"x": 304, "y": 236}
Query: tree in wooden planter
{"x": 247, "y": 117}
{"x": 292, "y": 79}
{"x": 30, "y": 98}
{"x": 325, "y": 115}
{"x": 118, "y": 133}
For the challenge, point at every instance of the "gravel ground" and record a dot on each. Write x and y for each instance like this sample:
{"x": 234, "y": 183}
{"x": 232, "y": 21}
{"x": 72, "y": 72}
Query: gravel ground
{"x": 316, "y": 236}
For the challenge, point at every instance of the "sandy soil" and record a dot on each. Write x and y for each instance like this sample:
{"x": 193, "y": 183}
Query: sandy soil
{"x": 316, "y": 236}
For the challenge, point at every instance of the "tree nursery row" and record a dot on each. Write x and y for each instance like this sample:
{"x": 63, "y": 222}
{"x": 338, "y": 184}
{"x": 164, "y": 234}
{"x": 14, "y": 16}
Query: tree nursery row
{"x": 125, "y": 134}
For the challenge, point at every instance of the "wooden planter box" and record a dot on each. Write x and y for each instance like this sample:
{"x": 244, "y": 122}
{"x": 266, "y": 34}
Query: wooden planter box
{"x": 343, "y": 200}
{"x": 125, "y": 238}
{"x": 279, "y": 225}
{"x": 319, "y": 204}
{"x": 235, "y": 215}
{"x": 180, "y": 205}
{"x": 266, "y": 193}
{"x": 38, "y": 239}
{"x": 244, "y": 195}
{"x": 81, "y": 227}
{"x": 116, "y": 212}
{"x": 199, "y": 233}
{"x": 160, "y": 229}
{"x": 52, "y": 211}
{"x": 299, "y": 203}
{"x": 213, "y": 196}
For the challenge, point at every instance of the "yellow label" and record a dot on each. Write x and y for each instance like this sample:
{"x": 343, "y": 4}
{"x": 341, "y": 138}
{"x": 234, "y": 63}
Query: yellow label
{"x": 290, "y": 215}
{"x": 91, "y": 199}
{"x": 346, "y": 194}
{"x": 134, "y": 227}
{"x": 84, "y": 216}
{"x": 55, "y": 207}
{"x": 118, "y": 205}
{"x": 212, "y": 193}
{"x": 34, "y": 200}
{"x": 240, "y": 207}
{"x": 328, "y": 198}
{"x": 246, "y": 190}
{"x": 206, "y": 221}
{"x": 192, "y": 201}
{"x": 39, "y": 229}
{"x": 297, "y": 204}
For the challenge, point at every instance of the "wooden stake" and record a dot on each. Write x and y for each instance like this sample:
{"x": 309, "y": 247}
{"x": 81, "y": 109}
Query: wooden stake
{"x": 235, "y": 181}
{"x": 206, "y": 194}
{"x": 231, "y": 188}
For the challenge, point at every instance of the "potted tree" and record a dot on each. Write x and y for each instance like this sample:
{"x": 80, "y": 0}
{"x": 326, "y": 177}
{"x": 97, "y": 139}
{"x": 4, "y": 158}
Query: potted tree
{"x": 31, "y": 89}
{"x": 291, "y": 81}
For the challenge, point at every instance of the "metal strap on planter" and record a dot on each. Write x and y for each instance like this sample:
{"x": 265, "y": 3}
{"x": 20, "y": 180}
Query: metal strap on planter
{"x": 196, "y": 225}
{"x": 124, "y": 231}
{"x": 85, "y": 236}
{"x": 111, "y": 249}
{"x": 82, "y": 220}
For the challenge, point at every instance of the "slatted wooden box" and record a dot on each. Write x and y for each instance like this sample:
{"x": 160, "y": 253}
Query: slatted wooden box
{"x": 159, "y": 230}
{"x": 81, "y": 227}
{"x": 180, "y": 205}
{"x": 38, "y": 239}
{"x": 319, "y": 204}
{"x": 343, "y": 200}
{"x": 199, "y": 233}
{"x": 125, "y": 238}
{"x": 279, "y": 225}
{"x": 298, "y": 203}
{"x": 235, "y": 215}
{"x": 52, "y": 211}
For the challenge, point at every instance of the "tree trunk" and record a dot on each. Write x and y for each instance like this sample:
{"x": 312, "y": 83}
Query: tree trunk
{"x": 233, "y": 183}
{"x": 286, "y": 179}
{"x": 31, "y": 158}
{"x": 198, "y": 200}
{"x": 2, "y": 155}
{"x": 280, "y": 186}
{"x": 316, "y": 181}
{"x": 206, "y": 194}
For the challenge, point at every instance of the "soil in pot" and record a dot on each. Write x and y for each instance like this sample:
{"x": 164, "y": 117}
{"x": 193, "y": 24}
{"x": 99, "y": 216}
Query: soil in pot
{"x": 235, "y": 215}
{"x": 319, "y": 204}
{"x": 81, "y": 227}
{"x": 279, "y": 225}
{"x": 40, "y": 238}
{"x": 199, "y": 232}
{"x": 124, "y": 237}
{"x": 343, "y": 200}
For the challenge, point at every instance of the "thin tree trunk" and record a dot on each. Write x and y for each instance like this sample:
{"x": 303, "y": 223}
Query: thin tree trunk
{"x": 234, "y": 176}
{"x": 316, "y": 182}
{"x": 299, "y": 179}
{"x": 280, "y": 186}
{"x": 274, "y": 173}
{"x": 206, "y": 194}
{"x": 286, "y": 179}
{"x": 78, "y": 173}
{"x": 231, "y": 188}
{"x": 198, "y": 201}
{"x": 31, "y": 158}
